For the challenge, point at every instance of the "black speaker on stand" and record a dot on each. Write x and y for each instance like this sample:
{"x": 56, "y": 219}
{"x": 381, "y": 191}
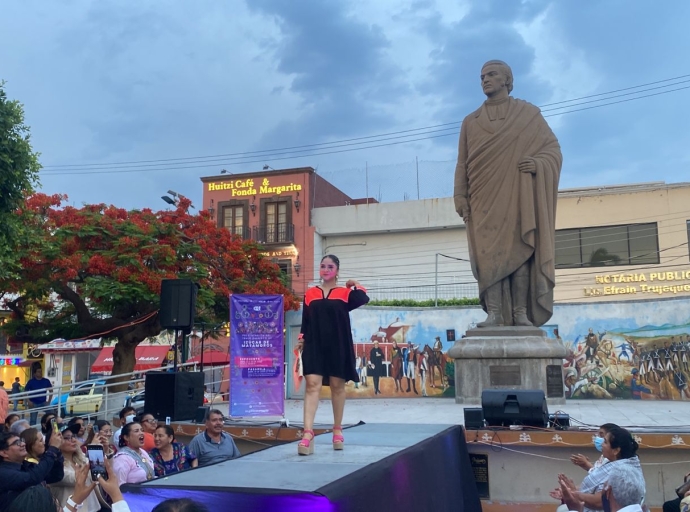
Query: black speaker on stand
{"x": 505, "y": 407}
{"x": 174, "y": 395}
{"x": 177, "y": 307}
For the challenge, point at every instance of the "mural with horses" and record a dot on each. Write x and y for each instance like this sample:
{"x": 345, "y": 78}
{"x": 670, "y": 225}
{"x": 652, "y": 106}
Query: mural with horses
{"x": 637, "y": 350}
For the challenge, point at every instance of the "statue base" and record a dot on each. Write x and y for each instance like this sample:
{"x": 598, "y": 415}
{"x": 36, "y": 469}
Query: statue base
{"x": 508, "y": 358}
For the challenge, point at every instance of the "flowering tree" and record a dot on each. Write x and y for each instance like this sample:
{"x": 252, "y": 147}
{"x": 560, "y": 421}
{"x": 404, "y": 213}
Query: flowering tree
{"x": 97, "y": 271}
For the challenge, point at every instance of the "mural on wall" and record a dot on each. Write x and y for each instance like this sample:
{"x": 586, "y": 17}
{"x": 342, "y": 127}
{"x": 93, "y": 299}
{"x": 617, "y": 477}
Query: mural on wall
{"x": 633, "y": 350}
{"x": 616, "y": 350}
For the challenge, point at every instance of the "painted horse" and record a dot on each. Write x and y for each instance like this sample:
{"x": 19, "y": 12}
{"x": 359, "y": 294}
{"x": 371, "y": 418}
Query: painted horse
{"x": 436, "y": 359}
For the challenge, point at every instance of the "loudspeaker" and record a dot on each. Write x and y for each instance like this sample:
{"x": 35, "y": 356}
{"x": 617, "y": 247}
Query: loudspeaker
{"x": 474, "y": 418}
{"x": 176, "y": 395}
{"x": 504, "y": 407}
{"x": 178, "y": 303}
{"x": 559, "y": 421}
{"x": 202, "y": 414}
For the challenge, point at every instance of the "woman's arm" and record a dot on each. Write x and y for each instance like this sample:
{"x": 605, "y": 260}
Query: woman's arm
{"x": 358, "y": 295}
{"x": 590, "y": 500}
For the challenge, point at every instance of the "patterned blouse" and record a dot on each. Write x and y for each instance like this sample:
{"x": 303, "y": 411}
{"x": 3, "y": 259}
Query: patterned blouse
{"x": 182, "y": 459}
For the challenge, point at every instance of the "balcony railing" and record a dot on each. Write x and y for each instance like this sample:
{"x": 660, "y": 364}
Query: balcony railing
{"x": 275, "y": 234}
{"x": 244, "y": 231}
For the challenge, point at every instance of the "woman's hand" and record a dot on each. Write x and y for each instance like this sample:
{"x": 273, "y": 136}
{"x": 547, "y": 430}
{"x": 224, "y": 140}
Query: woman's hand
{"x": 81, "y": 488}
{"x": 352, "y": 283}
{"x": 582, "y": 461}
{"x": 556, "y": 494}
{"x": 55, "y": 440}
{"x": 112, "y": 484}
{"x": 564, "y": 480}
{"x": 570, "y": 497}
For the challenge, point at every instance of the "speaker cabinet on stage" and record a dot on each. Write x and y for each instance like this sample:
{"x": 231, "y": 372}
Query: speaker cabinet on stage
{"x": 178, "y": 303}
{"x": 175, "y": 395}
{"x": 504, "y": 407}
{"x": 474, "y": 418}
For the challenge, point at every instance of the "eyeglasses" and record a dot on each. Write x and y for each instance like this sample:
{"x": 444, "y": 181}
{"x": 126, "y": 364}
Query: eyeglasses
{"x": 107, "y": 432}
{"x": 18, "y": 442}
{"x": 151, "y": 421}
{"x": 68, "y": 438}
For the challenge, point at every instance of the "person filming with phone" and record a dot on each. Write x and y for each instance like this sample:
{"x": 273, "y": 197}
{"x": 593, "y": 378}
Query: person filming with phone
{"x": 17, "y": 474}
{"x": 73, "y": 460}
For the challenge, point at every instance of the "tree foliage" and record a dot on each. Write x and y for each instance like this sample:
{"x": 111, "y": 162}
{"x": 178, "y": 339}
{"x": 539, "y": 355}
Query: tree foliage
{"x": 18, "y": 175}
{"x": 428, "y": 303}
{"x": 97, "y": 271}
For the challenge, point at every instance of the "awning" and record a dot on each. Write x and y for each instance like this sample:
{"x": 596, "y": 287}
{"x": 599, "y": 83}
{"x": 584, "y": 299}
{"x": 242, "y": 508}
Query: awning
{"x": 147, "y": 357}
{"x": 212, "y": 357}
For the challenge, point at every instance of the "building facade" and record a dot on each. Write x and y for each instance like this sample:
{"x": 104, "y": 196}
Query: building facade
{"x": 621, "y": 242}
{"x": 274, "y": 208}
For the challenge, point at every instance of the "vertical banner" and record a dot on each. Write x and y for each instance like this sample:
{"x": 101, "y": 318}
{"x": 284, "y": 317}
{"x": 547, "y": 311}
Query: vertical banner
{"x": 256, "y": 355}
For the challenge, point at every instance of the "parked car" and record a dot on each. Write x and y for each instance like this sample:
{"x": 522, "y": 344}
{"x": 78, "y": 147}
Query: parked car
{"x": 85, "y": 399}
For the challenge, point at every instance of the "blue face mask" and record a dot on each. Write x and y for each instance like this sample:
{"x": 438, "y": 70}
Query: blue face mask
{"x": 599, "y": 443}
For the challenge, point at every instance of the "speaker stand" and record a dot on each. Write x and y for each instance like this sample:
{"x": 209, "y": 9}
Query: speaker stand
{"x": 509, "y": 359}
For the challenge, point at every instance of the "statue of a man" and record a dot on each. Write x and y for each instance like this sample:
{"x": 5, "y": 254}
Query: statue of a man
{"x": 506, "y": 182}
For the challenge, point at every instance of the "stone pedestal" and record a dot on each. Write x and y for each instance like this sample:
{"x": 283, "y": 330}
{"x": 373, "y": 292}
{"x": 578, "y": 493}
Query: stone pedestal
{"x": 508, "y": 358}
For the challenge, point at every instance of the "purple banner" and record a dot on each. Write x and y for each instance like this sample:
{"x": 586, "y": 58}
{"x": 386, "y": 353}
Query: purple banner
{"x": 256, "y": 355}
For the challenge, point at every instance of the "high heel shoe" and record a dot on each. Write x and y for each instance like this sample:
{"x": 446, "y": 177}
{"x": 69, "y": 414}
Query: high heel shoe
{"x": 338, "y": 439}
{"x": 306, "y": 445}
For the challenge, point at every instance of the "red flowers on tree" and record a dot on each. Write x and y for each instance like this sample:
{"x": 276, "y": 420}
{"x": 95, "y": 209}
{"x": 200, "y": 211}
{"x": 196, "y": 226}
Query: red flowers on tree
{"x": 97, "y": 271}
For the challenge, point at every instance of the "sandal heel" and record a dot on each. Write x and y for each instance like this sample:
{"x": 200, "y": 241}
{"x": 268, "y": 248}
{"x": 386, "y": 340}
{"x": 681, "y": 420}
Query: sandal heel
{"x": 338, "y": 439}
{"x": 306, "y": 445}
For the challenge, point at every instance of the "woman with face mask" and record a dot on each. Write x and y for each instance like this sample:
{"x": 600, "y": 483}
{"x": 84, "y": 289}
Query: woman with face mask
{"x": 582, "y": 461}
{"x": 620, "y": 449}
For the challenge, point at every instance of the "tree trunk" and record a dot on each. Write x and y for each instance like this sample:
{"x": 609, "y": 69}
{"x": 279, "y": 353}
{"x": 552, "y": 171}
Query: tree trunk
{"x": 123, "y": 362}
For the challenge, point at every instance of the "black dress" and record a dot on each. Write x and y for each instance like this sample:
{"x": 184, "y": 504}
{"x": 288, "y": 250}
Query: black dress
{"x": 328, "y": 348}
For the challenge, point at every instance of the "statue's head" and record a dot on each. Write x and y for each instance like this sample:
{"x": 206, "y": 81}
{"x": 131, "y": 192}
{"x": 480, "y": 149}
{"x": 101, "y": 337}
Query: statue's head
{"x": 496, "y": 75}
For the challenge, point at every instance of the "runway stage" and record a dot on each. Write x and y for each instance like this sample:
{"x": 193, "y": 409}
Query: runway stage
{"x": 399, "y": 467}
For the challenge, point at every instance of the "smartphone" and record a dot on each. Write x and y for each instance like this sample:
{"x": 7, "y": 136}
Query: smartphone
{"x": 96, "y": 461}
{"x": 95, "y": 429}
{"x": 167, "y": 420}
{"x": 54, "y": 424}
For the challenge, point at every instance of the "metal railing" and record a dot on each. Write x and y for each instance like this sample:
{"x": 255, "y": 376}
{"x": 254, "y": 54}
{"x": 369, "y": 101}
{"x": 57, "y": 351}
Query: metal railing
{"x": 275, "y": 233}
{"x": 110, "y": 403}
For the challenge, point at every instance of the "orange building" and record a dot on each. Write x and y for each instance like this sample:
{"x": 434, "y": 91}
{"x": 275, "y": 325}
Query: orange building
{"x": 274, "y": 208}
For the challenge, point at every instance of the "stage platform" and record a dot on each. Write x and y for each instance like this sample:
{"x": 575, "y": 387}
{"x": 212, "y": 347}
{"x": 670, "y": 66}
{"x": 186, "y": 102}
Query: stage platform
{"x": 401, "y": 467}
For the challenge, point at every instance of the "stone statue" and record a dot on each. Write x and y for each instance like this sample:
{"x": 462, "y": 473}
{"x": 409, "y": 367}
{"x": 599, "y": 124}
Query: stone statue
{"x": 506, "y": 183}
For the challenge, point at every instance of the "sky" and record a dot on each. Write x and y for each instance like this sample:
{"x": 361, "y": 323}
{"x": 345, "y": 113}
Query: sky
{"x": 106, "y": 82}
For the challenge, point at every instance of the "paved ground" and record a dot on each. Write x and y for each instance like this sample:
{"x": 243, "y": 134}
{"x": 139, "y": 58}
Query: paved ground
{"x": 654, "y": 415}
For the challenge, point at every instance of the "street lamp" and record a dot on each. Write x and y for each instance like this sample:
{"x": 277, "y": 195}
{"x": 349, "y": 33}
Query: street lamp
{"x": 168, "y": 200}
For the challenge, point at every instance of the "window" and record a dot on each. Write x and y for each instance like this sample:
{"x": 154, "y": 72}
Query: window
{"x": 632, "y": 244}
{"x": 285, "y": 267}
{"x": 233, "y": 219}
{"x": 276, "y": 222}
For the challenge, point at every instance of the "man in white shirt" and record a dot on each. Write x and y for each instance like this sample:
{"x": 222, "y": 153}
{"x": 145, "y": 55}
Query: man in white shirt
{"x": 624, "y": 491}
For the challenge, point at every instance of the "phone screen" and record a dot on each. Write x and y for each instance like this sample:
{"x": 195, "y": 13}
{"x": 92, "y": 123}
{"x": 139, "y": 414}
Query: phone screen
{"x": 96, "y": 461}
{"x": 56, "y": 427}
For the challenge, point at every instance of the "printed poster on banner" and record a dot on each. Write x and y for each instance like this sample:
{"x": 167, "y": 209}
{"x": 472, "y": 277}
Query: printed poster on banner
{"x": 256, "y": 355}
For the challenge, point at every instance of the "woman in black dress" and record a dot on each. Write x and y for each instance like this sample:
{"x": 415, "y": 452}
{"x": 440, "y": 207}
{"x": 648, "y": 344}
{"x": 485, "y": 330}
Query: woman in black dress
{"x": 328, "y": 354}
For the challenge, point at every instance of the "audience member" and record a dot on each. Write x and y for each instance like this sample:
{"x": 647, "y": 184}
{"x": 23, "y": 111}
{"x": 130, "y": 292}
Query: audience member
{"x": 11, "y": 418}
{"x": 131, "y": 463}
{"x": 624, "y": 491}
{"x": 34, "y": 443}
{"x": 169, "y": 456}
{"x": 46, "y": 424}
{"x": 19, "y": 426}
{"x": 36, "y": 498}
{"x": 84, "y": 429}
{"x": 104, "y": 438}
{"x": 620, "y": 449}
{"x": 213, "y": 445}
{"x": 674, "y": 505}
{"x": 179, "y": 505}
{"x": 149, "y": 424}
{"x": 127, "y": 415}
{"x": 4, "y": 402}
{"x": 16, "y": 389}
{"x": 41, "y": 389}
{"x": 582, "y": 461}
{"x": 17, "y": 474}
{"x": 73, "y": 460}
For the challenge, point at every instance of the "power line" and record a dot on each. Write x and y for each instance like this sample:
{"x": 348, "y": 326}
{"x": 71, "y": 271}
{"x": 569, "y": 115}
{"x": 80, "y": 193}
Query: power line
{"x": 140, "y": 166}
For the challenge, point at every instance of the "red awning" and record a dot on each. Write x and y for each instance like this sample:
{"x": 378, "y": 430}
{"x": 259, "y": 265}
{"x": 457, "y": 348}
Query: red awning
{"x": 212, "y": 357}
{"x": 147, "y": 357}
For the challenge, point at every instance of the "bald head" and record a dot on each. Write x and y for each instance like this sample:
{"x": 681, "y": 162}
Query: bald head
{"x": 504, "y": 69}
